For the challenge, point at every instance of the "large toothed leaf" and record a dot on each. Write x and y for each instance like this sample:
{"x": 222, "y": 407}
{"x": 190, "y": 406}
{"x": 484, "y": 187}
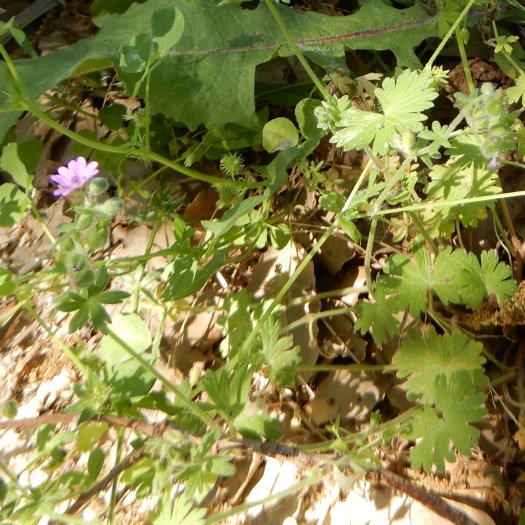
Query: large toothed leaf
{"x": 210, "y": 52}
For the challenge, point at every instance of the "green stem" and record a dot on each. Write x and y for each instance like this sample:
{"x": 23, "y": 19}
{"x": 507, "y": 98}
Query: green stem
{"x": 40, "y": 219}
{"x": 447, "y": 204}
{"x": 450, "y": 32}
{"x": 511, "y": 61}
{"x": 306, "y": 261}
{"x": 148, "y": 114}
{"x": 464, "y": 60}
{"x": 13, "y": 71}
{"x": 68, "y": 351}
{"x": 309, "y": 318}
{"x": 120, "y": 150}
{"x": 421, "y": 227}
{"x": 295, "y": 48}
{"x": 368, "y": 256}
{"x": 136, "y": 291}
{"x": 114, "y": 486}
{"x": 400, "y": 173}
{"x": 348, "y": 368}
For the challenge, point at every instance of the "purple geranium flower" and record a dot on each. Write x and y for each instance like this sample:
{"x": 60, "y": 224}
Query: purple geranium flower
{"x": 77, "y": 173}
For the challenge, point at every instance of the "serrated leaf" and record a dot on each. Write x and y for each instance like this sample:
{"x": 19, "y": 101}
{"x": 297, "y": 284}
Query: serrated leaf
{"x": 80, "y": 318}
{"x": 454, "y": 182}
{"x": 405, "y": 98}
{"x": 208, "y": 64}
{"x": 376, "y": 317}
{"x": 461, "y": 404}
{"x": 237, "y": 323}
{"x": 359, "y": 129}
{"x": 187, "y": 277}
{"x": 228, "y": 391}
{"x": 423, "y": 357}
{"x": 180, "y": 511}
{"x": 434, "y": 445}
{"x": 409, "y": 281}
{"x": 517, "y": 92}
{"x": 402, "y": 102}
{"x": 279, "y": 354}
{"x": 478, "y": 280}
{"x": 69, "y": 301}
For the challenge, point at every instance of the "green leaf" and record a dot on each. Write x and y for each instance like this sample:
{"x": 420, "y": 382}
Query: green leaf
{"x": 476, "y": 281}
{"x": 113, "y": 297}
{"x": 112, "y": 116}
{"x": 434, "y": 446}
{"x": 409, "y": 281}
{"x": 517, "y": 92}
{"x": 167, "y": 27}
{"x": 405, "y": 98}
{"x": 187, "y": 277}
{"x": 95, "y": 462}
{"x": 10, "y": 162}
{"x": 402, "y": 102}
{"x": 236, "y": 323}
{"x": 376, "y": 317}
{"x": 13, "y": 204}
{"x": 280, "y": 235}
{"x": 460, "y": 404}
{"x": 228, "y": 391}
{"x": 80, "y": 318}
{"x": 359, "y": 129}
{"x": 423, "y": 357}
{"x": 89, "y": 434}
{"x": 180, "y": 511}
{"x": 305, "y": 116}
{"x": 98, "y": 315}
{"x": 279, "y": 134}
{"x": 30, "y": 153}
{"x": 135, "y": 56}
{"x": 257, "y": 426}
{"x": 7, "y": 285}
{"x": 280, "y": 356}
{"x": 209, "y": 65}
{"x": 239, "y": 212}
{"x": 454, "y": 181}
{"x": 126, "y": 374}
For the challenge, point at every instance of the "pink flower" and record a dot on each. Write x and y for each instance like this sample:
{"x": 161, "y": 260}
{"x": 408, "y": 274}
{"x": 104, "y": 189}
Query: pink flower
{"x": 77, "y": 173}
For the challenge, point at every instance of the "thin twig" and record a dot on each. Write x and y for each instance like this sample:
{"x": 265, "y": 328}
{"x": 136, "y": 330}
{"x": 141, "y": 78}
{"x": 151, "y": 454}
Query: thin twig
{"x": 266, "y": 448}
{"x": 105, "y": 481}
{"x": 430, "y": 500}
{"x": 56, "y": 418}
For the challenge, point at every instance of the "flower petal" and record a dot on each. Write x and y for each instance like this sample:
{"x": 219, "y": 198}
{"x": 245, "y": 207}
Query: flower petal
{"x": 65, "y": 172}
{"x": 62, "y": 192}
{"x": 81, "y": 164}
{"x": 74, "y": 176}
{"x": 92, "y": 168}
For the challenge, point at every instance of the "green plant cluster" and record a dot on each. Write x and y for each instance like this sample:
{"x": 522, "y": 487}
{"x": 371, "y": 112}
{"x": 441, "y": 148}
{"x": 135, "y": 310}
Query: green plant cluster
{"x": 425, "y": 182}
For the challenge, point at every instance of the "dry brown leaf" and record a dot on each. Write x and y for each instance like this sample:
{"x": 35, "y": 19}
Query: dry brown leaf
{"x": 347, "y": 395}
